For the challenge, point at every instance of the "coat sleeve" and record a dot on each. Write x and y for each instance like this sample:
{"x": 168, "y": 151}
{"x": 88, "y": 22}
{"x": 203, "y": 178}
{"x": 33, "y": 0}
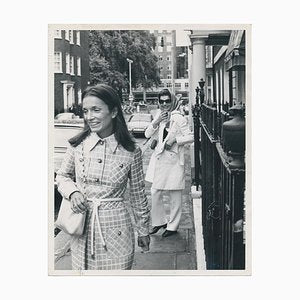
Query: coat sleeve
{"x": 186, "y": 136}
{"x": 150, "y": 129}
{"x": 66, "y": 174}
{"x": 138, "y": 197}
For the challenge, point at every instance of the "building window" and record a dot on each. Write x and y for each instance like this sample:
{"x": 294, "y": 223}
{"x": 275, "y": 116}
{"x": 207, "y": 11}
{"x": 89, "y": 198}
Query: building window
{"x": 169, "y": 48}
{"x": 67, "y": 63}
{"x": 67, "y": 35}
{"x": 57, "y": 62}
{"x": 178, "y": 85}
{"x": 71, "y": 37}
{"x": 162, "y": 85}
{"x": 78, "y": 66}
{"x": 169, "y": 57}
{"x": 169, "y": 68}
{"x": 160, "y": 57}
{"x": 169, "y": 39}
{"x": 78, "y": 37}
{"x": 72, "y": 65}
{"x": 186, "y": 85}
{"x": 57, "y": 34}
{"x": 169, "y": 77}
{"x": 79, "y": 95}
{"x": 160, "y": 49}
{"x": 169, "y": 84}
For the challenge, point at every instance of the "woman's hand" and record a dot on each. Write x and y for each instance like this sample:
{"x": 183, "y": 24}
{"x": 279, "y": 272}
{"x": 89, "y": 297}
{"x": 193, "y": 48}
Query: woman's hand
{"x": 169, "y": 143}
{"x": 78, "y": 203}
{"x": 163, "y": 116}
{"x": 144, "y": 242}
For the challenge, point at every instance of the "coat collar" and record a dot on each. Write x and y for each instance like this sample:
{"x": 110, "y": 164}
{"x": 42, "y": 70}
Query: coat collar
{"x": 93, "y": 139}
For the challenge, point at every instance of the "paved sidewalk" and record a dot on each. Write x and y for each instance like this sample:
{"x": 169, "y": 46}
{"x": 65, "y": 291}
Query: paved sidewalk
{"x": 177, "y": 252}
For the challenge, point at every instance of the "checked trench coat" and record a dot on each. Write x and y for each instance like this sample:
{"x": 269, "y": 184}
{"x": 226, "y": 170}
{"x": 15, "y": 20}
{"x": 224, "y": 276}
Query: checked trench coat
{"x": 107, "y": 166}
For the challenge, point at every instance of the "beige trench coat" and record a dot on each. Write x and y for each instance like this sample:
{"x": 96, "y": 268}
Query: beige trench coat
{"x": 166, "y": 167}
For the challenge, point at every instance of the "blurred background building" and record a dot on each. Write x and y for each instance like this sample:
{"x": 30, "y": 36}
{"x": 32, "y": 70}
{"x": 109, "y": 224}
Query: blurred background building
{"x": 71, "y": 68}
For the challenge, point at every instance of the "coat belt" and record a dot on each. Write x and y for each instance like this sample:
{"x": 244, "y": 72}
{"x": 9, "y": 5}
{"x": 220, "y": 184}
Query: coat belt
{"x": 95, "y": 218}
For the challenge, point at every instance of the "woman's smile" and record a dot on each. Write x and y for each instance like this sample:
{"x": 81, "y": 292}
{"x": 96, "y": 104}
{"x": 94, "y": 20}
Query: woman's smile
{"x": 98, "y": 116}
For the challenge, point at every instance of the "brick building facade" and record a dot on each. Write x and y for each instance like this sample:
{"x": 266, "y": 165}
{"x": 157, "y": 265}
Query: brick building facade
{"x": 71, "y": 68}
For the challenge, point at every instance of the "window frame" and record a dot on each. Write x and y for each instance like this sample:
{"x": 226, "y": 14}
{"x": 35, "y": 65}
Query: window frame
{"x": 66, "y": 35}
{"x": 67, "y": 63}
{"x": 58, "y": 36}
{"x": 71, "y": 36}
{"x": 72, "y": 66}
{"x": 78, "y": 39}
{"x": 60, "y": 62}
{"x": 78, "y": 66}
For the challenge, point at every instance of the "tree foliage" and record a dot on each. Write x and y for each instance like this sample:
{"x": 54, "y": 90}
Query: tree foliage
{"x": 109, "y": 50}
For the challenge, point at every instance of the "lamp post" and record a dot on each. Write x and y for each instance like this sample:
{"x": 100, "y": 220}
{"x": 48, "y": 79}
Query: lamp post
{"x": 130, "y": 91}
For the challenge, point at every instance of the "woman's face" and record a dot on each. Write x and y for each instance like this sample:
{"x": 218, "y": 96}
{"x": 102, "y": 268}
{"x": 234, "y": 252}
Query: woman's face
{"x": 165, "y": 102}
{"x": 98, "y": 116}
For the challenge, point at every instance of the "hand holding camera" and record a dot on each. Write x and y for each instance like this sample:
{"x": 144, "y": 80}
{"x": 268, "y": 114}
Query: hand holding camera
{"x": 162, "y": 117}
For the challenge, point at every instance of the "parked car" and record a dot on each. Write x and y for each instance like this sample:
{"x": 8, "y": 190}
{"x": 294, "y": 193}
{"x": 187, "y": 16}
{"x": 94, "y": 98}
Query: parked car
{"x": 62, "y": 133}
{"x": 138, "y": 123}
{"x": 66, "y": 116}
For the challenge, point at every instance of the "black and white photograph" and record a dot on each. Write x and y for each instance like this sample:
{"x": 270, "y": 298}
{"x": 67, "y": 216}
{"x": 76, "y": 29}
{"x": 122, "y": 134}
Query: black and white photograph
{"x": 149, "y": 151}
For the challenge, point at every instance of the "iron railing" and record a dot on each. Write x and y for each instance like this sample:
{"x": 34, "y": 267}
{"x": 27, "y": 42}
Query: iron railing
{"x": 222, "y": 174}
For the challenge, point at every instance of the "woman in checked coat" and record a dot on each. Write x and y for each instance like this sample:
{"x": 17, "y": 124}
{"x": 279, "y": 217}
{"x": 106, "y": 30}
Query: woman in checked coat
{"x": 166, "y": 167}
{"x": 93, "y": 176}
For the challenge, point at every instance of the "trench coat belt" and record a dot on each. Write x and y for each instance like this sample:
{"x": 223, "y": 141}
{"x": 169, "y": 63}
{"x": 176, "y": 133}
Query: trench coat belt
{"x": 95, "y": 218}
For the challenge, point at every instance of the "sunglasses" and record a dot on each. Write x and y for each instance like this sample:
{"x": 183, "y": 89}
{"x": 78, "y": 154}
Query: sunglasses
{"x": 167, "y": 101}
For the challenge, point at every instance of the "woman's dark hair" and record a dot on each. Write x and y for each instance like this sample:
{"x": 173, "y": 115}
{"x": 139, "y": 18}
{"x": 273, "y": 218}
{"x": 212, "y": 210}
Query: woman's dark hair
{"x": 110, "y": 97}
{"x": 164, "y": 92}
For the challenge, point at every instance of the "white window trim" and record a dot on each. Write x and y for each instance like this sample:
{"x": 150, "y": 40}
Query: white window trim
{"x": 60, "y": 62}
{"x": 59, "y": 36}
{"x": 78, "y": 66}
{"x": 78, "y": 37}
{"x": 72, "y": 66}
{"x": 67, "y": 63}
{"x": 71, "y": 33}
{"x": 67, "y": 35}
{"x": 79, "y": 95}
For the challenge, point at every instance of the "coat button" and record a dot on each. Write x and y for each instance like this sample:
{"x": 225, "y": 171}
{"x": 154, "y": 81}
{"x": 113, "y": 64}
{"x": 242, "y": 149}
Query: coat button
{"x": 99, "y": 160}
{"x": 97, "y": 180}
{"x": 81, "y": 159}
{"x": 121, "y": 165}
{"x": 119, "y": 232}
{"x": 101, "y": 142}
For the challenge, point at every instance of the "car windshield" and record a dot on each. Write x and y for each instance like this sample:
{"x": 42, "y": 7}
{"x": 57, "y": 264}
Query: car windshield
{"x": 63, "y": 134}
{"x": 139, "y": 118}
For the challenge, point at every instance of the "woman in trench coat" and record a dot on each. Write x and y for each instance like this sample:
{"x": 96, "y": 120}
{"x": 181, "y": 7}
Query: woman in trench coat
{"x": 166, "y": 168}
{"x": 93, "y": 176}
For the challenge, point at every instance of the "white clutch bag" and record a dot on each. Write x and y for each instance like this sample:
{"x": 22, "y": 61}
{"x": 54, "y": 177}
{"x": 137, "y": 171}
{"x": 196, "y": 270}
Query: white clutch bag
{"x": 68, "y": 221}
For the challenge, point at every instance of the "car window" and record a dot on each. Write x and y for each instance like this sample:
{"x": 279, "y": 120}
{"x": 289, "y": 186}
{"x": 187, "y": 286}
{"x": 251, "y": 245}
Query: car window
{"x": 63, "y": 134}
{"x": 143, "y": 118}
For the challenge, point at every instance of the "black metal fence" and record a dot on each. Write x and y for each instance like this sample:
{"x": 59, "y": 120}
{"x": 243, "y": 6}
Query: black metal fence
{"x": 220, "y": 147}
